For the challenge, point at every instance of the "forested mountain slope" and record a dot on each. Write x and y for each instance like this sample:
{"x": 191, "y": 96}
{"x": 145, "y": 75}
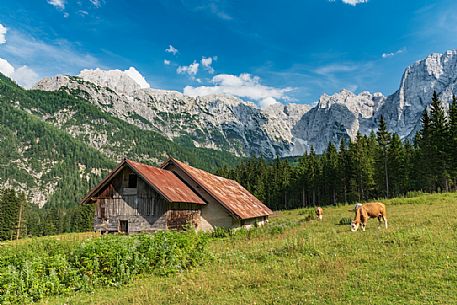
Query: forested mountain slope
{"x": 54, "y": 146}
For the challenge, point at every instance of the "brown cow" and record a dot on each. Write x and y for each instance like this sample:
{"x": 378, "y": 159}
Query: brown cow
{"x": 319, "y": 213}
{"x": 366, "y": 211}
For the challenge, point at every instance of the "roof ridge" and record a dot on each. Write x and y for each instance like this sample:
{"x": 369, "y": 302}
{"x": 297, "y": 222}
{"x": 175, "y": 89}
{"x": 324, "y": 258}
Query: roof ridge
{"x": 245, "y": 206}
{"x": 155, "y": 177}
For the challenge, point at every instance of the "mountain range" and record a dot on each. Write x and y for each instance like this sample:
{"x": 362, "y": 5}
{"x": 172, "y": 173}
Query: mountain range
{"x": 60, "y": 137}
{"x": 228, "y": 123}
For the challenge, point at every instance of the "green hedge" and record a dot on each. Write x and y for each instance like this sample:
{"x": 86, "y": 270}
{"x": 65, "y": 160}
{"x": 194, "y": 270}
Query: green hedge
{"x": 45, "y": 266}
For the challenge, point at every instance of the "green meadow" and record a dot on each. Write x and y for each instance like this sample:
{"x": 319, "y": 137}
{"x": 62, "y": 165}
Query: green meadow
{"x": 298, "y": 260}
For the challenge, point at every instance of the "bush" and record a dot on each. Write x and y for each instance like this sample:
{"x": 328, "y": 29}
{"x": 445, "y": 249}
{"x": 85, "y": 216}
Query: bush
{"x": 309, "y": 214}
{"x": 220, "y": 232}
{"x": 44, "y": 267}
{"x": 345, "y": 221}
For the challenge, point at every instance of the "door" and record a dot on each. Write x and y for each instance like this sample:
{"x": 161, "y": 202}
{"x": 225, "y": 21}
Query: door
{"x": 123, "y": 226}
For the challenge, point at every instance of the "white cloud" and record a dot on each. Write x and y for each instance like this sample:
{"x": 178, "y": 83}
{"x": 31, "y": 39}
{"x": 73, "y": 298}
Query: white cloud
{"x": 60, "y": 4}
{"x": 216, "y": 10}
{"x": 335, "y": 68}
{"x": 244, "y": 86}
{"x": 137, "y": 77}
{"x": 354, "y": 2}
{"x": 83, "y": 13}
{"x": 268, "y": 101}
{"x": 191, "y": 69}
{"x": 66, "y": 15}
{"x": 6, "y": 68}
{"x": 207, "y": 63}
{"x": 24, "y": 76}
{"x": 387, "y": 55}
{"x": 166, "y": 62}
{"x": 49, "y": 58}
{"x": 96, "y": 3}
{"x": 213, "y": 7}
{"x": 3, "y": 31}
{"x": 171, "y": 50}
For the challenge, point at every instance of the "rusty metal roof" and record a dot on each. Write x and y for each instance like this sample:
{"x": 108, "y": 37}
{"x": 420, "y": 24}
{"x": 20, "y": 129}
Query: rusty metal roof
{"x": 164, "y": 182}
{"x": 235, "y": 198}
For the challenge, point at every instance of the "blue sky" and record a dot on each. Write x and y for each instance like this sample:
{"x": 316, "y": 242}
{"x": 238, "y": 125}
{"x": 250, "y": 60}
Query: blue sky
{"x": 288, "y": 51}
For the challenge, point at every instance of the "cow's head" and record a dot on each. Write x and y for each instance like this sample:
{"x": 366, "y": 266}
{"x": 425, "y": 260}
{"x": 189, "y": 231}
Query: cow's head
{"x": 354, "y": 226}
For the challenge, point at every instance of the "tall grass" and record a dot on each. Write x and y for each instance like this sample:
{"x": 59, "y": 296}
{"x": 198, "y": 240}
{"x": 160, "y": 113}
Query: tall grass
{"x": 295, "y": 261}
{"x": 46, "y": 266}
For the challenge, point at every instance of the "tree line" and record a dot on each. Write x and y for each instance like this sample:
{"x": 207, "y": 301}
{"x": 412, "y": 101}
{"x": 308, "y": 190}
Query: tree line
{"x": 372, "y": 166}
{"x": 19, "y": 218}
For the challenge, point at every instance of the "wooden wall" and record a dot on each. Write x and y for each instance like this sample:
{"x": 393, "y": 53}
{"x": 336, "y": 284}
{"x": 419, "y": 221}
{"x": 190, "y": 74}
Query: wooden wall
{"x": 143, "y": 208}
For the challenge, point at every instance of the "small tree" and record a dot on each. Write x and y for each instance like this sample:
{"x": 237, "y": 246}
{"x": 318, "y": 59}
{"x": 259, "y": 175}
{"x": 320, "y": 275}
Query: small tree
{"x": 384, "y": 138}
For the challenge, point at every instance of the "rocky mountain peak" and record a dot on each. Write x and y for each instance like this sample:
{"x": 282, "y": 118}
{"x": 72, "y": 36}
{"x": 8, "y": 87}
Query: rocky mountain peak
{"x": 364, "y": 103}
{"x": 228, "y": 123}
{"x": 123, "y": 82}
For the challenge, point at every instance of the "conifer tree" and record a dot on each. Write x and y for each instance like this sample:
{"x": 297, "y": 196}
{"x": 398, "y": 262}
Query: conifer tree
{"x": 344, "y": 170}
{"x": 330, "y": 172}
{"x": 302, "y": 171}
{"x": 452, "y": 151}
{"x": 313, "y": 174}
{"x": 423, "y": 166}
{"x": 396, "y": 163}
{"x": 439, "y": 142}
{"x": 383, "y": 137}
{"x": 9, "y": 207}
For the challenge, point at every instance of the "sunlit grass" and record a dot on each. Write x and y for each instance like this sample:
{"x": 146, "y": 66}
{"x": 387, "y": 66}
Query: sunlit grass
{"x": 311, "y": 262}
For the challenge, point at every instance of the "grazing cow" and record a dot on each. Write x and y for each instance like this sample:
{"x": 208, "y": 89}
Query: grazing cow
{"x": 319, "y": 213}
{"x": 357, "y": 205}
{"x": 366, "y": 211}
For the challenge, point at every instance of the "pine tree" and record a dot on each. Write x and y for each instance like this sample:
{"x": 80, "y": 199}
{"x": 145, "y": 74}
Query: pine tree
{"x": 383, "y": 137}
{"x": 303, "y": 181}
{"x": 9, "y": 207}
{"x": 344, "y": 171}
{"x": 453, "y": 139}
{"x": 439, "y": 138}
{"x": 330, "y": 172}
{"x": 313, "y": 175}
{"x": 396, "y": 163}
{"x": 422, "y": 165}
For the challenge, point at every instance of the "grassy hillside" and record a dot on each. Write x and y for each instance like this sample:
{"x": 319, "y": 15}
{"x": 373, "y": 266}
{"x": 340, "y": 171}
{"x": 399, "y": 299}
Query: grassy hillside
{"x": 295, "y": 261}
{"x": 54, "y": 145}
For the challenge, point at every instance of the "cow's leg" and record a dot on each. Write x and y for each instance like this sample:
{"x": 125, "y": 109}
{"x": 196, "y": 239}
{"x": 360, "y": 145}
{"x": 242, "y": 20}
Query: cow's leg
{"x": 380, "y": 218}
{"x": 385, "y": 222}
{"x": 363, "y": 226}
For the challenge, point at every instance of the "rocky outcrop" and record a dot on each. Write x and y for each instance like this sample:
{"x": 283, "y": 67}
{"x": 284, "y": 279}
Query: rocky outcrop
{"x": 228, "y": 123}
{"x": 217, "y": 121}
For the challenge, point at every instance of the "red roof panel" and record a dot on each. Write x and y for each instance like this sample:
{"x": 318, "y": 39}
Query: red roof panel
{"x": 229, "y": 193}
{"x": 166, "y": 183}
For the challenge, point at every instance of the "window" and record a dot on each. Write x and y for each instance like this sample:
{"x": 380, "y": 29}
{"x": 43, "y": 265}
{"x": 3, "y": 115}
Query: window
{"x": 133, "y": 180}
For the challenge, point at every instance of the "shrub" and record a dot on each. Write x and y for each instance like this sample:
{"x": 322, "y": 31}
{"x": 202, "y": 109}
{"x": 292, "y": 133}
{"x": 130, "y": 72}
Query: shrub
{"x": 44, "y": 267}
{"x": 220, "y": 232}
{"x": 345, "y": 221}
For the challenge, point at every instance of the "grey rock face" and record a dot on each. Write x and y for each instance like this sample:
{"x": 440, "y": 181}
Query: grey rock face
{"x": 229, "y": 123}
{"x": 216, "y": 121}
